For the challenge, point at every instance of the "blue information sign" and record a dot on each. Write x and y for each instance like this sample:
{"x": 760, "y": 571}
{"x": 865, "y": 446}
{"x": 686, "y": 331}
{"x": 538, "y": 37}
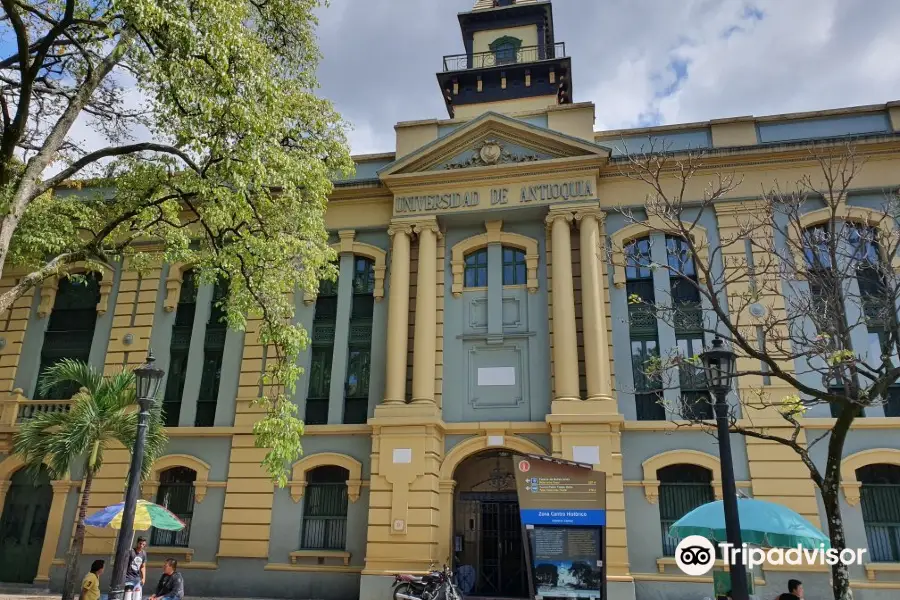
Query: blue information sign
{"x": 584, "y": 517}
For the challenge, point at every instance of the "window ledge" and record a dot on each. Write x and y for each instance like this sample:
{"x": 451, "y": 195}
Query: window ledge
{"x": 873, "y": 568}
{"x": 669, "y": 561}
{"x": 177, "y": 552}
{"x": 340, "y": 554}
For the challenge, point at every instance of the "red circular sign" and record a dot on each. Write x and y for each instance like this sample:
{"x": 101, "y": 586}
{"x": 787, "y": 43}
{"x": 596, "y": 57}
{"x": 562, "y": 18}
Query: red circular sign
{"x": 524, "y": 466}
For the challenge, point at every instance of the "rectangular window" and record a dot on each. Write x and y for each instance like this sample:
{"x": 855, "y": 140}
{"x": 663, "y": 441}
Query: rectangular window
{"x": 179, "y": 348}
{"x": 695, "y": 398}
{"x": 648, "y": 390}
{"x": 322, "y": 351}
{"x": 359, "y": 351}
{"x": 213, "y": 352}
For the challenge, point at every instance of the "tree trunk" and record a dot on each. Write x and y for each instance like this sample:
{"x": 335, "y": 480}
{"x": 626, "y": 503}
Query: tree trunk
{"x": 78, "y": 540}
{"x": 840, "y": 573}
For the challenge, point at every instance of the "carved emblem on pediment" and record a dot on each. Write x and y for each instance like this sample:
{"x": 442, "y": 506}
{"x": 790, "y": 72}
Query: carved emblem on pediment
{"x": 491, "y": 152}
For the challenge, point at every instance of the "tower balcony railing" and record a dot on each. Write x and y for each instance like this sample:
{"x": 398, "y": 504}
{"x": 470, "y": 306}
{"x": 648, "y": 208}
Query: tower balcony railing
{"x": 505, "y": 56}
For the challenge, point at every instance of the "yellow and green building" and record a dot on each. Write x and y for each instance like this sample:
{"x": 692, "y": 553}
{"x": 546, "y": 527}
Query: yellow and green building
{"x": 474, "y": 317}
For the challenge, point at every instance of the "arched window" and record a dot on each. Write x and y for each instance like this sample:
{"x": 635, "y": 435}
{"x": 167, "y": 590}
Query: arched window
{"x": 179, "y": 347}
{"x": 506, "y": 50}
{"x": 880, "y": 494}
{"x": 325, "y": 509}
{"x": 476, "y": 269}
{"x": 682, "y": 488}
{"x": 70, "y": 329}
{"x": 514, "y": 269}
{"x": 176, "y": 492}
{"x": 359, "y": 354}
{"x": 322, "y": 352}
{"x": 642, "y": 326}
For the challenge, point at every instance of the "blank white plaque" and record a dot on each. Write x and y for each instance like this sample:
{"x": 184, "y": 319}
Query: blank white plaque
{"x": 589, "y": 455}
{"x": 496, "y": 376}
{"x": 495, "y": 440}
{"x": 402, "y": 455}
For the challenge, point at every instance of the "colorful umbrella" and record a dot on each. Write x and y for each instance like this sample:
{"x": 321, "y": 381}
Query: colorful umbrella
{"x": 146, "y": 515}
{"x": 763, "y": 524}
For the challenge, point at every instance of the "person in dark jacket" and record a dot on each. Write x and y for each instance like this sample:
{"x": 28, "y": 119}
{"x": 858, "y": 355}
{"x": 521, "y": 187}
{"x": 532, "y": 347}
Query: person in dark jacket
{"x": 171, "y": 584}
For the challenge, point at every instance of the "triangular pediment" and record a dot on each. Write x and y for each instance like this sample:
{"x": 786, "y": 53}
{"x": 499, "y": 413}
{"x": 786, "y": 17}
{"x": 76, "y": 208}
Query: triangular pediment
{"x": 493, "y": 140}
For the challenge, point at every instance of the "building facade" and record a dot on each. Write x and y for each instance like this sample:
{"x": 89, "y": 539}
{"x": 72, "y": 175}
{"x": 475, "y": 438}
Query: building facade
{"x": 474, "y": 317}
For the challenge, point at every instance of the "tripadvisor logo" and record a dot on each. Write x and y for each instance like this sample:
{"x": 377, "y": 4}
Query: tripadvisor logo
{"x": 696, "y": 556}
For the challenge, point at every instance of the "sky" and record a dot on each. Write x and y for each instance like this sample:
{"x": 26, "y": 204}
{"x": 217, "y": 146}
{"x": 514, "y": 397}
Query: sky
{"x": 641, "y": 62}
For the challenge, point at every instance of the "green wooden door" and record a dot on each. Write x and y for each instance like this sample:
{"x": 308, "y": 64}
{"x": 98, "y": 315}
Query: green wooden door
{"x": 23, "y": 525}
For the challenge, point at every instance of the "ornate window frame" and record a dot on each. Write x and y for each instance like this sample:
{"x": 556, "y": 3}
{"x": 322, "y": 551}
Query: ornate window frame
{"x": 849, "y": 214}
{"x": 679, "y": 457}
{"x": 150, "y": 487}
{"x": 347, "y": 244}
{"x": 322, "y": 459}
{"x": 655, "y": 225}
{"x": 849, "y": 483}
{"x": 173, "y": 284}
{"x": 50, "y": 286}
{"x": 494, "y": 235}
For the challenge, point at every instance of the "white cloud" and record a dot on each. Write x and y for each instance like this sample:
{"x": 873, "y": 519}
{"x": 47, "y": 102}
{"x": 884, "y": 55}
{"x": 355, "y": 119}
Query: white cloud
{"x": 381, "y": 56}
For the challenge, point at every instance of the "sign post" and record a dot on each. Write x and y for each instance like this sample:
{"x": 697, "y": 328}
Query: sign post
{"x": 563, "y": 511}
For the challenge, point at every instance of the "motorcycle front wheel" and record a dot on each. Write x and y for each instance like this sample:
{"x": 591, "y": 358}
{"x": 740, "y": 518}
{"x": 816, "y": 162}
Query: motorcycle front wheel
{"x": 405, "y": 589}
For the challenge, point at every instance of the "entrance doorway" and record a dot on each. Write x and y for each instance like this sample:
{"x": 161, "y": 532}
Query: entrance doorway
{"x": 23, "y": 525}
{"x": 487, "y": 535}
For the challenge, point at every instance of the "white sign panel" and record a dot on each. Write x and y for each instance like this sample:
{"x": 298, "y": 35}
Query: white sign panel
{"x": 496, "y": 376}
{"x": 402, "y": 456}
{"x": 495, "y": 440}
{"x": 589, "y": 455}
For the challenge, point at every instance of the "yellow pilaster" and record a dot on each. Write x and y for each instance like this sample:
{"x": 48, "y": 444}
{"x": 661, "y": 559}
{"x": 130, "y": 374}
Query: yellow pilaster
{"x": 398, "y": 314}
{"x": 404, "y": 496}
{"x": 582, "y": 431}
{"x": 424, "y": 343}
{"x": 53, "y": 531}
{"x": 565, "y": 344}
{"x": 596, "y": 344}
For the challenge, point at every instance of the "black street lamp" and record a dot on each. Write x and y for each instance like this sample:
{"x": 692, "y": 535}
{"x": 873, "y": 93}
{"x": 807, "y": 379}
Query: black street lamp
{"x": 148, "y": 379}
{"x": 719, "y": 364}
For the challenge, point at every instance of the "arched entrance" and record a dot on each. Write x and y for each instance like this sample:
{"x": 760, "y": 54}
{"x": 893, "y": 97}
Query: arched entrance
{"x": 23, "y": 525}
{"x": 487, "y": 531}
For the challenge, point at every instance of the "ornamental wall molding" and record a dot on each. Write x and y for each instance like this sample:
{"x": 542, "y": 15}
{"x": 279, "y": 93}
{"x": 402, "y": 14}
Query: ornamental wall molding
{"x": 50, "y": 286}
{"x": 489, "y": 152}
{"x": 849, "y": 481}
{"x": 347, "y": 244}
{"x": 652, "y": 226}
{"x": 652, "y": 465}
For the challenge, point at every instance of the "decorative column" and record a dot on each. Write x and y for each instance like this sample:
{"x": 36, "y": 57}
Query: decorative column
{"x": 593, "y": 307}
{"x": 398, "y": 315}
{"x": 53, "y": 530}
{"x": 565, "y": 343}
{"x": 424, "y": 342}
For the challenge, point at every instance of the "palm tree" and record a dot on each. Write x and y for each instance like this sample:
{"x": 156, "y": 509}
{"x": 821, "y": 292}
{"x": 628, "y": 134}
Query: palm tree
{"x": 100, "y": 416}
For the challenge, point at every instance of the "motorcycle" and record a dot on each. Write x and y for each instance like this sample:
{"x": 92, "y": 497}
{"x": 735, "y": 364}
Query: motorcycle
{"x": 436, "y": 585}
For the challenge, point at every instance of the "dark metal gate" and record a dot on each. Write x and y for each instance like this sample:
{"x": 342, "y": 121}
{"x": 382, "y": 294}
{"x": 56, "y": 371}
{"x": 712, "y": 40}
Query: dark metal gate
{"x": 488, "y": 545}
{"x": 23, "y": 525}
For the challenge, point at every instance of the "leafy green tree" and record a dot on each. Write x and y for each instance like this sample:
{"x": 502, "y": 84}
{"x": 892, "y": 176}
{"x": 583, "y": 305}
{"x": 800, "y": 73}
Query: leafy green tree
{"x": 101, "y": 415}
{"x": 207, "y": 145}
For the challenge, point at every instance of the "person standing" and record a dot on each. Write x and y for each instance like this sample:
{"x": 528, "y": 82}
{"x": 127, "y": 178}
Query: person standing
{"x": 171, "y": 584}
{"x": 136, "y": 570}
{"x": 90, "y": 585}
